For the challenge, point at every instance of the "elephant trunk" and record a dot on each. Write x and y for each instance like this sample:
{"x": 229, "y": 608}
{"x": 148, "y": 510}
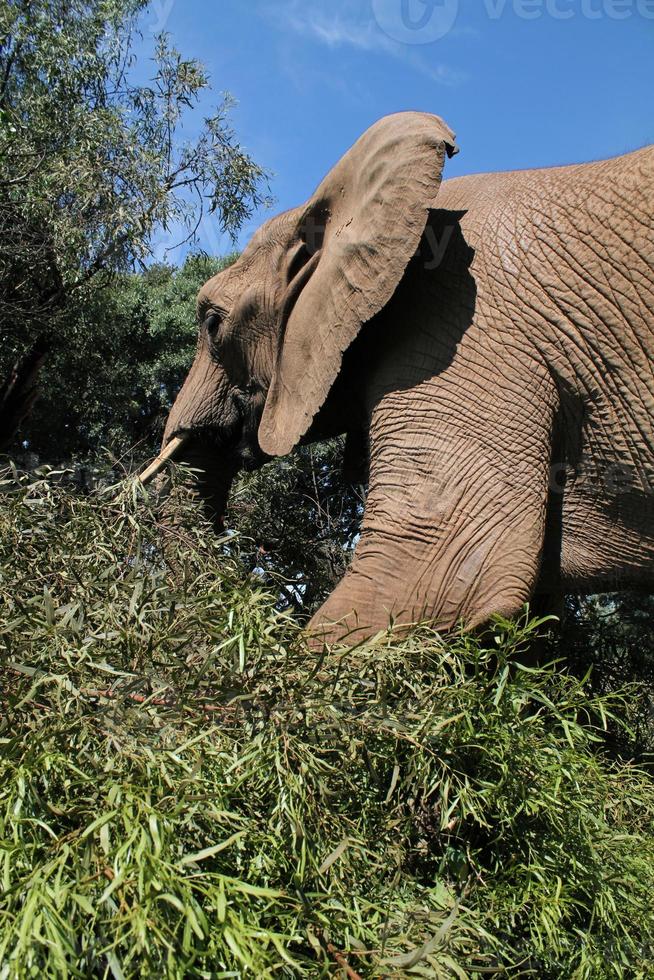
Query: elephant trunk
{"x": 214, "y": 474}
{"x": 202, "y": 431}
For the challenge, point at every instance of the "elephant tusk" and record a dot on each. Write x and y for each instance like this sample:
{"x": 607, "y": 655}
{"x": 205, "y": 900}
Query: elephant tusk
{"x": 165, "y": 454}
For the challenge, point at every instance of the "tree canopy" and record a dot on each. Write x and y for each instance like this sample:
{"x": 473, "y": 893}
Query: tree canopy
{"x": 134, "y": 342}
{"x": 92, "y": 166}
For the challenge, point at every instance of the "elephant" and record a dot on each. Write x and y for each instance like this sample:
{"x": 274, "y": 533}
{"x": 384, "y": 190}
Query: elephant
{"x": 486, "y": 345}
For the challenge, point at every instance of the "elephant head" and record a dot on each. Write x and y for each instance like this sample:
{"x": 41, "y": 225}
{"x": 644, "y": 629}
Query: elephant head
{"x": 274, "y": 325}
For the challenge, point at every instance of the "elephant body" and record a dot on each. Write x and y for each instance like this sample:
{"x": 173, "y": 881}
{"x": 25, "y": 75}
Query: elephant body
{"x": 492, "y": 339}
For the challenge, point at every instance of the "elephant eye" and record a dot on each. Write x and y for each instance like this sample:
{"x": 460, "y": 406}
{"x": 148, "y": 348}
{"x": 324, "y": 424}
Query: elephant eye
{"x": 212, "y": 322}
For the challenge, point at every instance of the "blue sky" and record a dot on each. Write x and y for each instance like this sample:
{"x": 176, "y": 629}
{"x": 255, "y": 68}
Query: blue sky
{"x": 522, "y": 82}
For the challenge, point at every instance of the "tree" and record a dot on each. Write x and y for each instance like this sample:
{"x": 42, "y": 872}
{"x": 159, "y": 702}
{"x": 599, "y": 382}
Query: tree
{"x": 134, "y": 341}
{"x": 91, "y": 167}
{"x": 612, "y": 635}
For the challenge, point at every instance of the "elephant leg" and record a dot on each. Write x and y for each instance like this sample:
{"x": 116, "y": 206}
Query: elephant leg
{"x": 454, "y": 524}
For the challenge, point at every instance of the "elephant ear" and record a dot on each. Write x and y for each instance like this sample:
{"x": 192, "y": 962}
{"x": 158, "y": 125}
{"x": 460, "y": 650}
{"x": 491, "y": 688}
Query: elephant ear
{"x": 355, "y": 238}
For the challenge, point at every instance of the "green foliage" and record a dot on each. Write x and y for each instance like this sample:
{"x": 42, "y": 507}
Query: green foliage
{"x": 93, "y": 164}
{"x": 187, "y": 790}
{"x": 614, "y": 634}
{"x": 297, "y": 520}
{"x": 131, "y": 347}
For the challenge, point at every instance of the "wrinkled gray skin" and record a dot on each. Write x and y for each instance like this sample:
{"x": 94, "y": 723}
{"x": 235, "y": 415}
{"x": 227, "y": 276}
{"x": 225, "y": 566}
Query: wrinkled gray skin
{"x": 498, "y": 339}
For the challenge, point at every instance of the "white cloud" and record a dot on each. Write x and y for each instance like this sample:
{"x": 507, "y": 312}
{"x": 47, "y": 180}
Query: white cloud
{"x": 347, "y": 23}
{"x": 334, "y": 30}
